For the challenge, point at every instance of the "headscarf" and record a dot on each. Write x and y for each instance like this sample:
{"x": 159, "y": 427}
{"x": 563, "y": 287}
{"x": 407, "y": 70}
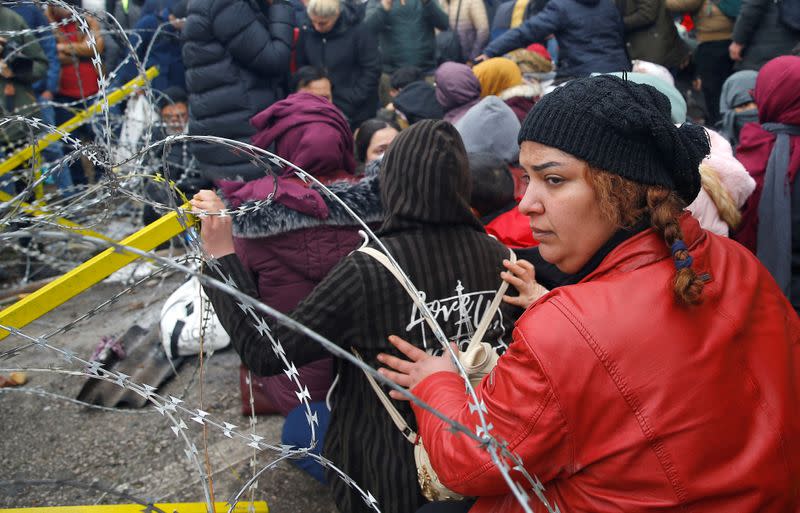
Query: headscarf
{"x": 457, "y": 89}
{"x": 770, "y": 151}
{"x": 496, "y": 75}
{"x": 736, "y": 92}
{"x": 308, "y": 131}
{"x": 425, "y": 179}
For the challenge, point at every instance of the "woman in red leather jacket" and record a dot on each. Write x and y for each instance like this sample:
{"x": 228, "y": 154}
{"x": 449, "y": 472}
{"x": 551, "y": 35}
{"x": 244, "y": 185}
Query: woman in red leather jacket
{"x": 665, "y": 376}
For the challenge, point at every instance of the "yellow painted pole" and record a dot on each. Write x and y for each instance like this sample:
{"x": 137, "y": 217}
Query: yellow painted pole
{"x": 176, "y": 507}
{"x": 17, "y": 158}
{"x": 75, "y": 227}
{"x": 91, "y": 272}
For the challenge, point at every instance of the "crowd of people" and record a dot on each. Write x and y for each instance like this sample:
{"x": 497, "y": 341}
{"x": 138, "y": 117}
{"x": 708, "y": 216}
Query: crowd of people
{"x": 627, "y": 166}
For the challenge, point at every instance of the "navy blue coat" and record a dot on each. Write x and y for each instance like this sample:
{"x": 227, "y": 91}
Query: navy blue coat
{"x": 591, "y": 38}
{"x": 349, "y": 55}
{"x": 237, "y": 62}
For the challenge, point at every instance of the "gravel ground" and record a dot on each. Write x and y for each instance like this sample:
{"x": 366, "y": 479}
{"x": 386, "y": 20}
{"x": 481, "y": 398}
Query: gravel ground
{"x": 56, "y": 453}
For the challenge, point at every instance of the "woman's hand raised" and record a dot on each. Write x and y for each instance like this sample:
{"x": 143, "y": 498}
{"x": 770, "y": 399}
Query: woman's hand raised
{"x": 216, "y": 232}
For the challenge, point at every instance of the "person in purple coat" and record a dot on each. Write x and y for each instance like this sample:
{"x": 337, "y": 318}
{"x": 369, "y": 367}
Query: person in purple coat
{"x": 290, "y": 244}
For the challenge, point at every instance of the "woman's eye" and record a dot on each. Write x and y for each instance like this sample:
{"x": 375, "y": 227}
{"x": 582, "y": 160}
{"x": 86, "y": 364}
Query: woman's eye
{"x": 554, "y": 180}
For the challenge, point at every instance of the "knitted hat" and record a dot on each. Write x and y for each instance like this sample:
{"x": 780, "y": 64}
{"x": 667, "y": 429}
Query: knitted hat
{"x": 623, "y": 128}
{"x": 540, "y": 50}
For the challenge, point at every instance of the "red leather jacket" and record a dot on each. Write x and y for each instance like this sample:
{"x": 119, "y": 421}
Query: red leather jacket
{"x": 618, "y": 399}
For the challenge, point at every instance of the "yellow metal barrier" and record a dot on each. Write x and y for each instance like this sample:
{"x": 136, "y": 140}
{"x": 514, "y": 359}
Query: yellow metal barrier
{"x": 17, "y": 158}
{"x": 90, "y": 272}
{"x": 174, "y": 507}
{"x": 75, "y": 227}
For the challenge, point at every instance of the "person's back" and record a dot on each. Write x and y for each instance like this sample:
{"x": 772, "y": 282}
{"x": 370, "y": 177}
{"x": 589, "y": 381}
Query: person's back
{"x": 406, "y": 31}
{"x": 761, "y": 35}
{"x": 237, "y": 63}
{"x": 650, "y": 33}
{"x": 431, "y": 232}
{"x": 589, "y": 34}
{"x": 290, "y": 244}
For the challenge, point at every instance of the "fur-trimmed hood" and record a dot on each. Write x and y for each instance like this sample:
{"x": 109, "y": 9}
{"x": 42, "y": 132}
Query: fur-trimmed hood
{"x": 363, "y": 197}
{"x": 526, "y": 90}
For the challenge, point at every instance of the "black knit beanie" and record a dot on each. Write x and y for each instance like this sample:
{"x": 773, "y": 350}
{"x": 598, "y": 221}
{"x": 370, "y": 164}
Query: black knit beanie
{"x": 621, "y": 127}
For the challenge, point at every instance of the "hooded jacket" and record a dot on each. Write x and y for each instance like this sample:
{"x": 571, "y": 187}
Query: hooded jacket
{"x": 431, "y": 232}
{"x": 237, "y": 60}
{"x": 418, "y": 101}
{"x": 290, "y": 244}
{"x": 590, "y": 36}
{"x": 619, "y": 399}
{"x": 457, "y": 89}
{"x": 349, "y": 56}
{"x": 308, "y": 131}
{"x": 522, "y": 98}
{"x": 491, "y": 126}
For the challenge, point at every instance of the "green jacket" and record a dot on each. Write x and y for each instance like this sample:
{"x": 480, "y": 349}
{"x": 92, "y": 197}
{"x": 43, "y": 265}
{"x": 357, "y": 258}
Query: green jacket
{"x": 406, "y": 32}
{"x": 23, "y": 103}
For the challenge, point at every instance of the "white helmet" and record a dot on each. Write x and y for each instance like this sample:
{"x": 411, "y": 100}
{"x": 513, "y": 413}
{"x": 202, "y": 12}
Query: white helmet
{"x": 182, "y": 321}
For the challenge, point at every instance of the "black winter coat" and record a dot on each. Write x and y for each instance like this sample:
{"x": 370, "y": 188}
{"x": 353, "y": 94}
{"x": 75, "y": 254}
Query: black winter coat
{"x": 237, "y": 62}
{"x": 350, "y": 57}
{"x": 650, "y": 34}
{"x": 764, "y": 37}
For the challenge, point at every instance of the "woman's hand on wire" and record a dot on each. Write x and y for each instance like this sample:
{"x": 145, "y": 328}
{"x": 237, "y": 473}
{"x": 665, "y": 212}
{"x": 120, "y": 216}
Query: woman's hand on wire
{"x": 522, "y": 276}
{"x": 216, "y": 232}
{"x": 420, "y": 365}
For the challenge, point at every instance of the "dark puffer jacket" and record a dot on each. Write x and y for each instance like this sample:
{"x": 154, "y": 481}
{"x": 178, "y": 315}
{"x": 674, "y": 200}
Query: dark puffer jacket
{"x": 406, "y": 32}
{"x": 589, "y": 32}
{"x": 759, "y": 29}
{"x": 349, "y": 55}
{"x": 237, "y": 60}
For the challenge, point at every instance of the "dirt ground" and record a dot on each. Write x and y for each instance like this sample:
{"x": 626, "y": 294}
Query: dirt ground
{"x": 55, "y": 452}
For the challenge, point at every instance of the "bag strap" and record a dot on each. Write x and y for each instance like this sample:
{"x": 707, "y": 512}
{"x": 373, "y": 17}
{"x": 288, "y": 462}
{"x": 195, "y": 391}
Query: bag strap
{"x": 458, "y": 13}
{"x": 396, "y": 416}
{"x": 480, "y": 331}
{"x": 477, "y": 337}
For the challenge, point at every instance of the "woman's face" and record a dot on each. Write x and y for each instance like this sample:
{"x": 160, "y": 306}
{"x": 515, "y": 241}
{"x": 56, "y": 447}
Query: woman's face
{"x": 563, "y": 208}
{"x": 379, "y": 142}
